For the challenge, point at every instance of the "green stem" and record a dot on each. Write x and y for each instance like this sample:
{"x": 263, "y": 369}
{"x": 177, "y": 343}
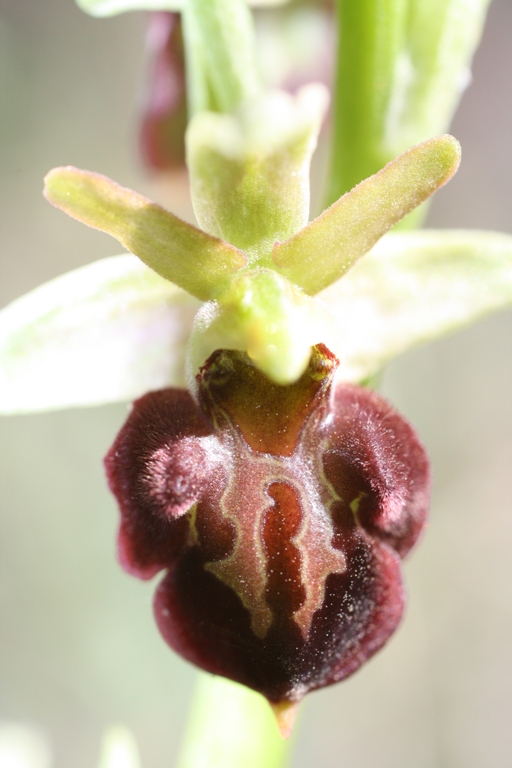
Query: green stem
{"x": 229, "y": 727}
{"x": 402, "y": 66}
{"x": 198, "y": 94}
{"x": 371, "y": 34}
{"x": 220, "y": 52}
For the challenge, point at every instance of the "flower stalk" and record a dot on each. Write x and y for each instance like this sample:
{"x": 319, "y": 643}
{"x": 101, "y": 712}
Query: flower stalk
{"x": 401, "y": 69}
{"x": 220, "y": 55}
{"x": 230, "y": 726}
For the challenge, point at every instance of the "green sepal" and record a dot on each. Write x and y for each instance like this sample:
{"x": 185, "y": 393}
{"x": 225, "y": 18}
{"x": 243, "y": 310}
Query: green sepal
{"x": 413, "y": 288}
{"x": 179, "y": 252}
{"x": 324, "y": 250}
{"x": 107, "y": 332}
{"x": 266, "y": 316}
{"x": 249, "y": 172}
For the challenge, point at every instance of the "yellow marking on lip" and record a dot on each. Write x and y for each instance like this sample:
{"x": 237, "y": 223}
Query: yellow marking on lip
{"x": 318, "y": 557}
{"x": 356, "y": 503}
{"x": 244, "y": 503}
{"x": 192, "y": 521}
{"x": 230, "y": 571}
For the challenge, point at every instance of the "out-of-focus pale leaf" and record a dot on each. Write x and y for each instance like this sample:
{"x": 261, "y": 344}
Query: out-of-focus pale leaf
{"x": 24, "y": 746}
{"x": 414, "y": 287}
{"x": 324, "y": 250}
{"x": 105, "y": 332}
{"x": 177, "y": 251}
{"x": 113, "y": 7}
{"x": 119, "y": 749}
{"x": 250, "y": 171}
{"x": 433, "y": 68}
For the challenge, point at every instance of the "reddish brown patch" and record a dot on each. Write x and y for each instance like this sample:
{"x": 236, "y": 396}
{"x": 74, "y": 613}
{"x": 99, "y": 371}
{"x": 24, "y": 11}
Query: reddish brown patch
{"x": 269, "y": 416}
{"x": 284, "y": 592}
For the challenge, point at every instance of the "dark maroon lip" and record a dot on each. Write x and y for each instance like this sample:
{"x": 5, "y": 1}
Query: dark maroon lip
{"x": 279, "y": 515}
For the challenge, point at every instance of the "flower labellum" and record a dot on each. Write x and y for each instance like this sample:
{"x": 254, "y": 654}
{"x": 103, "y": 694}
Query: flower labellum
{"x": 280, "y": 515}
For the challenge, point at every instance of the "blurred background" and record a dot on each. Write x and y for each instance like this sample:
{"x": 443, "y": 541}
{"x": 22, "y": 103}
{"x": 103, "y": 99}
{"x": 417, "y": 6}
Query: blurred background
{"x": 79, "y": 650}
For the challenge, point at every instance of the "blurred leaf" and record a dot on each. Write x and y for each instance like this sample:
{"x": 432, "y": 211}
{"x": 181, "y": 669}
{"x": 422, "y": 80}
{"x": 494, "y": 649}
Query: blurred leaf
{"x": 231, "y": 726}
{"x": 113, "y": 7}
{"x": 109, "y": 331}
{"x": 414, "y": 287}
{"x": 323, "y": 251}
{"x": 250, "y": 172}
{"x": 24, "y": 746}
{"x": 119, "y": 749}
{"x": 433, "y": 70}
{"x": 177, "y": 251}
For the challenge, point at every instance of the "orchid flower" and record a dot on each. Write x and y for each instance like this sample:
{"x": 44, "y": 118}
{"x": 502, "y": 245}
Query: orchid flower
{"x": 277, "y": 491}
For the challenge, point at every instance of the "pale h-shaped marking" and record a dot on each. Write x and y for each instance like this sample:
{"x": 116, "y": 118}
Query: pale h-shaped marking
{"x": 245, "y": 502}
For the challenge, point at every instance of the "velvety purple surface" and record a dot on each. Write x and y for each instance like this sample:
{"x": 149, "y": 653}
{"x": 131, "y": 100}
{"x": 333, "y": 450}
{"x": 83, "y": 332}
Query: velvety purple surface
{"x": 280, "y": 524}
